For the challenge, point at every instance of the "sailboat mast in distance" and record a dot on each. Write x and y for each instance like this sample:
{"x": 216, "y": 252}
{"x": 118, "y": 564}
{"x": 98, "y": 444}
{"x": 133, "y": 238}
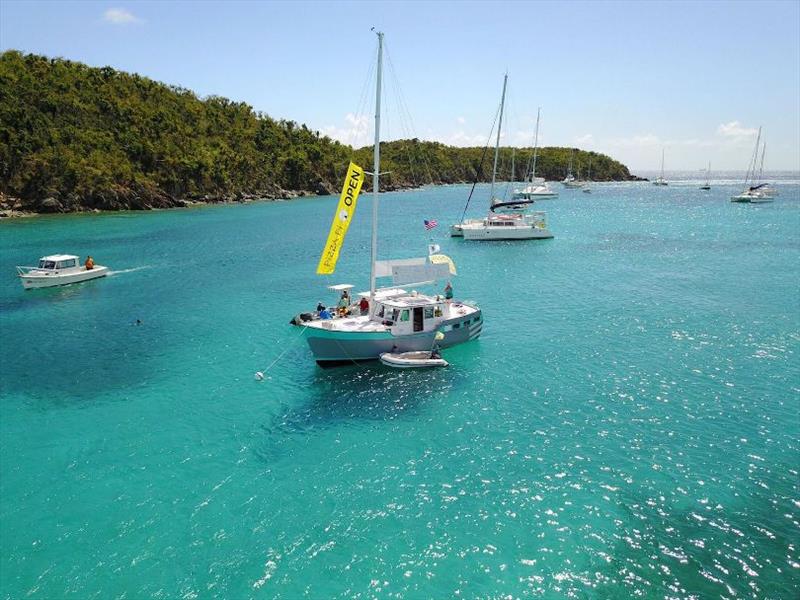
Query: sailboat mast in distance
{"x": 497, "y": 143}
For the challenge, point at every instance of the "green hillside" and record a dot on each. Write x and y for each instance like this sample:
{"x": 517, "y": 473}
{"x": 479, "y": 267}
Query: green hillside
{"x": 74, "y": 137}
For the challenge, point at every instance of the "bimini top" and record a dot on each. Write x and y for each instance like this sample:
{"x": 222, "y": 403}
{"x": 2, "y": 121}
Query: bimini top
{"x": 57, "y": 257}
{"x": 340, "y": 287}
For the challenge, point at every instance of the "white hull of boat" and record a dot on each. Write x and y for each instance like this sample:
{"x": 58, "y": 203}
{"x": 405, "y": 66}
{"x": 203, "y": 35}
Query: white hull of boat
{"x": 751, "y": 199}
{"x": 35, "y": 279}
{"x": 411, "y": 360}
{"x": 506, "y": 233}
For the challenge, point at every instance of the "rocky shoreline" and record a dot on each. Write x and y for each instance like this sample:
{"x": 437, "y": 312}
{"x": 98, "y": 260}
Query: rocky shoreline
{"x": 12, "y": 207}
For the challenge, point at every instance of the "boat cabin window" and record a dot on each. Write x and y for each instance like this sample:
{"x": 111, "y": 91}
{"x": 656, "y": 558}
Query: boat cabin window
{"x": 404, "y": 315}
{"x": 47, "y": 264}
{"x": 381, "y": 311}
{"x": 65, "y": 264}
{"x": 428, "y": 312}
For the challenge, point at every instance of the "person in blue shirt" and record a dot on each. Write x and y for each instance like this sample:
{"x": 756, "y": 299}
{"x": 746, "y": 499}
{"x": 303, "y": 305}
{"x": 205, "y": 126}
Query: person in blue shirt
{"x": 448, "y": 291}
{"x": 324, "y": 314}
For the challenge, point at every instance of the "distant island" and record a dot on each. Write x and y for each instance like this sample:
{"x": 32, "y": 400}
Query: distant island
{"x": 77, "y": 138}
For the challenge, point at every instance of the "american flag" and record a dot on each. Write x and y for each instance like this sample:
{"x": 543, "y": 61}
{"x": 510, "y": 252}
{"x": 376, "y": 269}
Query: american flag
{"x": 430, "y": 224}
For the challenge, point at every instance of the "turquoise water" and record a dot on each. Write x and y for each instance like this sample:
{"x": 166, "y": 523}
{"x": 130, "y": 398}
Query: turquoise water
{"x": 626, "y": 425}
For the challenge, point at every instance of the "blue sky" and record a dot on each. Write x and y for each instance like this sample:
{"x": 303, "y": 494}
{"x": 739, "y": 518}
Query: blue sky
{"x": 624, "y": 78}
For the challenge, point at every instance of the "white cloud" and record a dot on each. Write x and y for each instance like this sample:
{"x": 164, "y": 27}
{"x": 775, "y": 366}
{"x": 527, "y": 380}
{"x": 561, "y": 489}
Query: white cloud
{"x": 584, "y": 140}
{"x": 461, "y": 120}
{"x": 120, "y": 16}
{"x": 354, "y": 133}
{"x": 463, "y": 139}
{"x": 735, "y": 129}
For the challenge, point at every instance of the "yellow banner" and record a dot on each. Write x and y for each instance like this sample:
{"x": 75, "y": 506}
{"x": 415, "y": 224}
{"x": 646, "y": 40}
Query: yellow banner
{"x": 341, "y": 220}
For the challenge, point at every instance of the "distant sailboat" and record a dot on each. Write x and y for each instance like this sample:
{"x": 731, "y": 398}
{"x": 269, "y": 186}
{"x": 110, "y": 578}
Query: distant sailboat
{"x": 707, "y": 184}
{"x": 588, "y": 190}
{"x": 754, "y": 192}
{"x": 570, "y": 181}
{"x": 660, "y": 179}
{"x": 537, "y": 187}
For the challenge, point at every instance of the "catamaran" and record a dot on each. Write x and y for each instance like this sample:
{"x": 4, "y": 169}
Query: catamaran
{"x": 660, "y": 179}
{"x": 537, "y": 188}
{"x": 756, "y": 191}
{"x": 497, "y": 225}
{"x": 397, "y": 319}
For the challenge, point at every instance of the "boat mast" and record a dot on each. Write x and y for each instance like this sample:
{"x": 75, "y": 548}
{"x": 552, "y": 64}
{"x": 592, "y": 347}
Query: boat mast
{"x": 535, "y": 145}
{"x": 513, "y": 152}
{"x": 376, "y": 167}
{"x": 662, "y": 164}
{"x": 708, "y": 173}
{"x": 761, "y": 168}
{"x": 497, "y": 143}
{"x": 751, "y": 168}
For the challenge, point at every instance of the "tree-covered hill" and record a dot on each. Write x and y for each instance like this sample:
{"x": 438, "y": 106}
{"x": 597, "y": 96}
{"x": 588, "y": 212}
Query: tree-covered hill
{"x": 74, "y": 137}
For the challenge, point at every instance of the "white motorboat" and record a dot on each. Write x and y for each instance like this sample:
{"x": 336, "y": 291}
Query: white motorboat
{"x": 411, "y": 360}
{"x": 58, "y": 269}
{"x": 660, "y": 179}
{"x": 506, "y": 219}
{"x": 396, "y": 319}
{"x": 536, "y": 188}
{"x": 756, "y": 191}
{"x": 518, "y": 226}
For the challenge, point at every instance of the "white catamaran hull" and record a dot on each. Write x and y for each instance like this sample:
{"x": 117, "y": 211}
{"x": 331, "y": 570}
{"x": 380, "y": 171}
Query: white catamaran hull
{"x": 506, "y": 233}
{"x": 332, "y": 347}
{"x": 43, "y": 279}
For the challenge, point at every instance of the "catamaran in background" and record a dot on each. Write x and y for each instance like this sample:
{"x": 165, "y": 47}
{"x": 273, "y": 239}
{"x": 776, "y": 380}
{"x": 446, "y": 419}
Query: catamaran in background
{"x": 507, "y": 220}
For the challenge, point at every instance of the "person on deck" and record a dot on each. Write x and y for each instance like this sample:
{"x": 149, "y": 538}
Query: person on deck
{"x": 343, "y": 305}
{"x": 324, "y": 314}
{"x": 448, "y": 291}
{"x": 89, "y": 264}
{"x": 320, "y": 307}
{"x": 364, "y": 306}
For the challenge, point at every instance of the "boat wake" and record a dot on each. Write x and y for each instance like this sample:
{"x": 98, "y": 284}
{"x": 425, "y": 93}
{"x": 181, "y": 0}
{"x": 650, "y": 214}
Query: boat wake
{"x": 111, "y": 273}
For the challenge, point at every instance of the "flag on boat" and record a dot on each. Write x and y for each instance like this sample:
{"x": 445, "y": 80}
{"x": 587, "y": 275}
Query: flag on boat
{"x": 430, "y": 224}
{"x": 341, "y": 219}
{"x": 441, "y": 259}
{"x": 433, "y": 248}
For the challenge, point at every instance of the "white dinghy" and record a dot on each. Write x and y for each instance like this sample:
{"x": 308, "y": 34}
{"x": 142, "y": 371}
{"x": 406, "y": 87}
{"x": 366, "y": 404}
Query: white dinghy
{"x": 410, "y": 360}
{"x": 59, "y": 269}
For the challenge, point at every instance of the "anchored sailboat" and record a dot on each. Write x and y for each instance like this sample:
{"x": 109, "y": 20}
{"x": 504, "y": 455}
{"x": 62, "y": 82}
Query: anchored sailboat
{"x": 515, "y": 226}
{"x": 755, "y": 192}
{"x": 537, "y": 187}
{"x": 660, "y": 179}
{"x": 570, "y": 181}
{"x": 386, "y": 320}
{"x": 707, "y": 184}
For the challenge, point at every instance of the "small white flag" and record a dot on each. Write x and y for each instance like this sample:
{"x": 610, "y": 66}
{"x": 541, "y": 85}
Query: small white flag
{"x": 433, "y": 248}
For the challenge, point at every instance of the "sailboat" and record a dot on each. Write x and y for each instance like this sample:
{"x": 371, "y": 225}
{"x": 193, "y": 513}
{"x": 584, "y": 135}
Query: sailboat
{"x": 537, "y": 187}
{"x": 707, "y": 184}
{"x": 754, "y": 192}
{"x": 588, "y": 190}
{"x": 660, "y": 179}
{"x": 500, "y": 225}
{"x": 570, "y": 181}
{"x": 393, "y": 319}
